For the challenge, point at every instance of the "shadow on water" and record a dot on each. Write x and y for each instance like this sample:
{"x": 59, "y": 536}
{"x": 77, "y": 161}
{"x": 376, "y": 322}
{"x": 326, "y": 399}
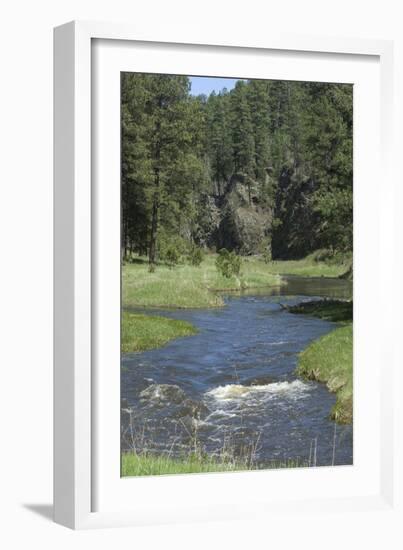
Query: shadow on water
{"x": 234, "y": 382}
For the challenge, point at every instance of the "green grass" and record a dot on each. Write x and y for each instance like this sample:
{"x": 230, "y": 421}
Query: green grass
{"x": 186, "y": 286}
{"x": 329, "y": 310}
{"x": 330, "y": 360}
{"x": 146, "y": 465}
{"x": 310, "y": 267}
{"x": 143, "y": 332}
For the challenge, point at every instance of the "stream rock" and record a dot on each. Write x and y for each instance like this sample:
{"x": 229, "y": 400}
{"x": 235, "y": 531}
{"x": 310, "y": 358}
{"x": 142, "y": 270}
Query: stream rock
{"x": 163, "y": 393}
{"x": 194, "y": 409}
{"x": 174, "y": 401}
{"x": 259, "y": 381}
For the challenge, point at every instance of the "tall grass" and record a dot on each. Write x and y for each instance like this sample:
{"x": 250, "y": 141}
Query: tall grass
{"x": 150, "y": 465}
{"x": 188, "y": 455}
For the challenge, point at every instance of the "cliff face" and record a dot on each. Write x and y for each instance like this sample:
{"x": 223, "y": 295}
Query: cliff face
{"x": 236, "y": 220}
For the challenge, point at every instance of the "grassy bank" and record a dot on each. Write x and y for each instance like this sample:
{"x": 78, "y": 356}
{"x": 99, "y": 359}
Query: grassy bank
{"x": 314, "y": 266}
{"x": 187, "y": 286}
{"x": 143, "y": 332}
{"x": 330, "y": 360}
{"x": 147, "y": 465}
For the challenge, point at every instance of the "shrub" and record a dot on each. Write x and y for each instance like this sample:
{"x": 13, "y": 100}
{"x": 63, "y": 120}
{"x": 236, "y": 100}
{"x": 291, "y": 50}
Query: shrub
{"x": 196, "y": 256}
{"x": 228, "y": 263}
{"x": 172, "y": 255}
{"x": 171, "y": 248}
{"x": 267, "y": 258}
{"x": 265, "y": 250}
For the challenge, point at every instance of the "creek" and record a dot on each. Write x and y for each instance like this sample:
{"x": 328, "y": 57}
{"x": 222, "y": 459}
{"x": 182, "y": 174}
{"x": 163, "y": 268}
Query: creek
{"x": 233, "y": 386}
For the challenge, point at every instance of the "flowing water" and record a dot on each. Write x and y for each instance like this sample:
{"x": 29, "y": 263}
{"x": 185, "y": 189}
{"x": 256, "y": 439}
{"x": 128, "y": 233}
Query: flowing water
{"x": 233, "y": 384}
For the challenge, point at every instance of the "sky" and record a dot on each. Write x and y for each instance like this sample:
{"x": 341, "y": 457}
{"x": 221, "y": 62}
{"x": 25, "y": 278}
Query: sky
{"x": 206, "y": 84}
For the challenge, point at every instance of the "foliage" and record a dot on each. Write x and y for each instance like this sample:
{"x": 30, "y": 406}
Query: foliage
{"x": 161, "y": 164}
{"x": 172, "y": 255}
{"x": 228, "y": 263}
{"x": 289, "y": 144}
{"x": 219, "y": 140}
{"x": 267, "y": 257}
{"x": 171, "y": 248}
{"x": 195, "y": 256}
{"x": 335, "y": 208}
{"x": 265, "y": 250}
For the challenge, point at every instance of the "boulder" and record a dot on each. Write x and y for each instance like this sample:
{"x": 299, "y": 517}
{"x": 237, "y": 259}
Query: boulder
{"x": 260, "y": 381}
{"x": 194, "y": 409}
{"x": 163, "y": 393}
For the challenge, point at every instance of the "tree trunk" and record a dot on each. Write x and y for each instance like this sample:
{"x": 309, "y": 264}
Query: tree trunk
{"x": 154, "y": 219}
{"x": 156, "y": 198}
{"x": 125, "y": 239}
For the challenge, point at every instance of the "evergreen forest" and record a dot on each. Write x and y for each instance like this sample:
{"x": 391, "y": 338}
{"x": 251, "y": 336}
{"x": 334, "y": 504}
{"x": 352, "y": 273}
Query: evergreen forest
{"x": 263, "y": 169}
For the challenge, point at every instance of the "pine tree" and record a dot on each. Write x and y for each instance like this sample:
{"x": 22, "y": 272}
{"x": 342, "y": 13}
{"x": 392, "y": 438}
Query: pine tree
{"x": 162, "y": 165}
{"x": 135, "y": 164}
{"x": 243, "y": 143}
{"x": 258, "y": 97}
{"x": 219, "y": 139}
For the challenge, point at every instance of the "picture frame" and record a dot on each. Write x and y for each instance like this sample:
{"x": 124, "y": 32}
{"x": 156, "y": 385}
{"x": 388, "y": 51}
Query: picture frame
{"x": 84, "y": 421}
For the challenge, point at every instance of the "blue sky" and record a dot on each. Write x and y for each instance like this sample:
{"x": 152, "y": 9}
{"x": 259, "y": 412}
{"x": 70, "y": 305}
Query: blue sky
{"x": 206, "y": 84}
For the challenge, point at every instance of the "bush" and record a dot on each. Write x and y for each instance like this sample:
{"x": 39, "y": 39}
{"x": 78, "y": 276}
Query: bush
{"x": 172, "y": 255}
{"x": 196, "y": 256}
{"x": 265, "y": 250}
{"x": 171, "y": 248}
{"x": 228, "y": 263}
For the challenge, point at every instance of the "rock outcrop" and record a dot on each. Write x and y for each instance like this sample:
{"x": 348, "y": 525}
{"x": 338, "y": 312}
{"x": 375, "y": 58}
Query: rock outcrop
{"x": 235, "y": 220}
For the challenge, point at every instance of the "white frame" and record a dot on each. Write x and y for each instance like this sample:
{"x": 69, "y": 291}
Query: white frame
{"x": 73, "y": 279}
{"x": 109, "y": 491}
